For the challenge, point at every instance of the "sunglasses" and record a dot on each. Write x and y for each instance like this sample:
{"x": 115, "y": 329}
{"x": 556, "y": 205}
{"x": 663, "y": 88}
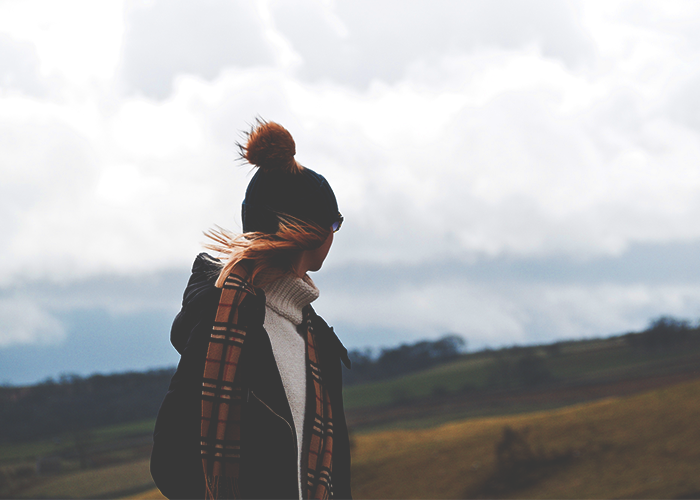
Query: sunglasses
{"x": 335, "y": 227}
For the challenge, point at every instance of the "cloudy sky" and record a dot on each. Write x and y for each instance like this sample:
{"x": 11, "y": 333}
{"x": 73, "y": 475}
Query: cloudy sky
{"x": 512, "y": 171}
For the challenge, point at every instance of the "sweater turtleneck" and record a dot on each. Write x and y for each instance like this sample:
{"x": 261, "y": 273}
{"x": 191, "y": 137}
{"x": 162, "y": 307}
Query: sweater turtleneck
{"x": 285, "y": 298}
{"x": 288, "y": 295}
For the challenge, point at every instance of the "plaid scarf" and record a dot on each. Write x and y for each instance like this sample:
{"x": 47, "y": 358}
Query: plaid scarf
{"x": 221, "y": 402}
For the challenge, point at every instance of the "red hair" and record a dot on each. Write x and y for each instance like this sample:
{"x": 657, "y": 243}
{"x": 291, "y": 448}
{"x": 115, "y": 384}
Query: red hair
{"x": 273, "y": 255}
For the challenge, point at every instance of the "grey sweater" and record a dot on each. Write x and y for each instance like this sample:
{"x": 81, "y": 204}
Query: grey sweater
{"x": 285, "y": 299}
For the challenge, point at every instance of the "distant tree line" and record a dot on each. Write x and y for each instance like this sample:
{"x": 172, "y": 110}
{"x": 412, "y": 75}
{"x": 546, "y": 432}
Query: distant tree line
{"x": 664, "y": 333}
{"x": 74, "y": 403}
{"x": 406, "y": 358}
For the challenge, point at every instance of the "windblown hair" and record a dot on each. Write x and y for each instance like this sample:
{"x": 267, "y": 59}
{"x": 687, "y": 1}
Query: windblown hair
{"x": 267, "y": 256}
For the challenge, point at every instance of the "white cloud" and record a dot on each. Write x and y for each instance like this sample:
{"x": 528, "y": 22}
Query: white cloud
{"x": 356, "y": 43}
{"x": 504, "y": 313}
{"x": 459, "y": 131}
{"x": 78, "y": 39}
{"x": 167, "y": 38}
{"x": 20, "y": 67}
{"x": 24, "y": 322}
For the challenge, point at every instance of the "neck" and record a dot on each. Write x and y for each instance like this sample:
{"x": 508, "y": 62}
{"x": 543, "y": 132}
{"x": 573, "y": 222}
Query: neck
{"x": 300, "y": 266}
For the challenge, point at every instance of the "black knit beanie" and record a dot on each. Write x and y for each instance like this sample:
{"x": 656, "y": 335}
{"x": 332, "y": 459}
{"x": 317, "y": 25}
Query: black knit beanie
{"x": 281, "y": 185}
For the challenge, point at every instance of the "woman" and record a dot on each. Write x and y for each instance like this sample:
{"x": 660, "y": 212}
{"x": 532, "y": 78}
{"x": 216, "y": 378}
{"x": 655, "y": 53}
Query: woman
{"x": 255, "y": 408}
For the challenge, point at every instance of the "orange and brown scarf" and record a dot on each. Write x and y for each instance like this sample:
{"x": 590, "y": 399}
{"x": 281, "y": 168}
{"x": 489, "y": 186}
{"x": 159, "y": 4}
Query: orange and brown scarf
{"x": 221, "y": 402}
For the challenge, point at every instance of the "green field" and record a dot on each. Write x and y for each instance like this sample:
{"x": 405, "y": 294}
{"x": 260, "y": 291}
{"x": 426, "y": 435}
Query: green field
{"x": 116, "y": 459}
{"x": 107, "y": 482}
{"x": 580, "y": 363}
{"x": 451, "y": 376}
{"x": 10, "y": 453}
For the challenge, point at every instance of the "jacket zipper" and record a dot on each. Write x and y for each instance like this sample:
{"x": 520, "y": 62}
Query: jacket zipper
{"x": 293, "y": 431}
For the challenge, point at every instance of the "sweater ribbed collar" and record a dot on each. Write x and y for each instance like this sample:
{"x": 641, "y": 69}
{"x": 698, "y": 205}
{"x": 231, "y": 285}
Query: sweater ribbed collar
{"x": 288, "y": 295}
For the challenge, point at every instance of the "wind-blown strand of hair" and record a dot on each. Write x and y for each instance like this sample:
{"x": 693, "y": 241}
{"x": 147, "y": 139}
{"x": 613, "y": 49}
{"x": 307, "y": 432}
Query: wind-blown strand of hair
{"x": 270, "y": 254}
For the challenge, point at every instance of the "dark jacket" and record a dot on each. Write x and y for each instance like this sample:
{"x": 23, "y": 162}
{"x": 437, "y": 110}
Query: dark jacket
{"x": 268, "y": 437}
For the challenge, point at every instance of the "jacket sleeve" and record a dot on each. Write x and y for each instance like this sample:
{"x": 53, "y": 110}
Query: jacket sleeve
{"x": 176, "y": 465}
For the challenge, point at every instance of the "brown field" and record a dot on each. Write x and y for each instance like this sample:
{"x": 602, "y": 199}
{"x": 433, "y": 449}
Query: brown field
{"x": 643, "y": 446}
{"x": 153, "y": 494}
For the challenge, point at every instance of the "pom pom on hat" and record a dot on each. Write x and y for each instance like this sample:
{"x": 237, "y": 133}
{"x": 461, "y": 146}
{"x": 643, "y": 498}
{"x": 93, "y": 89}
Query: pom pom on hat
{"x": 270, "y": 147}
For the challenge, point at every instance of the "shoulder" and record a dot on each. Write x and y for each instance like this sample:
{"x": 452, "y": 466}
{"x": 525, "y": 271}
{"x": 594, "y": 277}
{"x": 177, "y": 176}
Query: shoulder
{"x": 202, "y": 298}
{"x": 202, "y": 282}
{"x": 327, "y": 337}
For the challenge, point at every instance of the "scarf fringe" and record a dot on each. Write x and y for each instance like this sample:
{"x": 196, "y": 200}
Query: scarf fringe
{"x": 222, "y": 487}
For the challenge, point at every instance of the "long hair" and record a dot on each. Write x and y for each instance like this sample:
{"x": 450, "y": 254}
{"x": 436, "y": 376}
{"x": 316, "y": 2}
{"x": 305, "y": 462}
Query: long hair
{"x": 267, "y": 256}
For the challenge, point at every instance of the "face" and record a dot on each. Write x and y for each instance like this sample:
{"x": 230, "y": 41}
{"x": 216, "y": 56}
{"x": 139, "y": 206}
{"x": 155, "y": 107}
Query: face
{"x": 318, "y": 255}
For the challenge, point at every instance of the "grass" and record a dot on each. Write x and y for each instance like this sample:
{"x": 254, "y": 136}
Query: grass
{"x": 644, "y": 446}
{"x": 153, "y": 494}
{"x": 30, "y": 451}
{"x": 450, "y": 377}
{"x": 615, "y": 361}
{"x": 107, "y": 482}
{"x": 601, "y": 359}
{"x": 118, "y": 451}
